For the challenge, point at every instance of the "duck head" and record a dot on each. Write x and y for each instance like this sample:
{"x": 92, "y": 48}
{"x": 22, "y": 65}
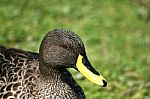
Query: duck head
{"x": 62, "y": 48}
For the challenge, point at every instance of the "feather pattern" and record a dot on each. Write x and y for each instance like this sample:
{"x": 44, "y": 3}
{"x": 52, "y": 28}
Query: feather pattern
{"x": 20, "y": 78}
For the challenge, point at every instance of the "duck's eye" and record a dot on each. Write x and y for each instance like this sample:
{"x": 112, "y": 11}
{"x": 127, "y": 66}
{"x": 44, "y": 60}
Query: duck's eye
{"x": 65, "y": 46}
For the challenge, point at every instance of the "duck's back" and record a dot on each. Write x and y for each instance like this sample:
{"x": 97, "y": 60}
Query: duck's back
{"x": 18, "y": 70}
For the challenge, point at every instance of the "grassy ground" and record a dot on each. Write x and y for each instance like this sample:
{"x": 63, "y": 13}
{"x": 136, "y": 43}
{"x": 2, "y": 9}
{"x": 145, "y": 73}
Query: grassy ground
{"x": 116, "y": 34}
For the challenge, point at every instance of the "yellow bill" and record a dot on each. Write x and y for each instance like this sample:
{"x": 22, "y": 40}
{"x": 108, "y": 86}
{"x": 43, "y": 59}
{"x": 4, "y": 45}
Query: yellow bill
{"x": 89, "y": 73}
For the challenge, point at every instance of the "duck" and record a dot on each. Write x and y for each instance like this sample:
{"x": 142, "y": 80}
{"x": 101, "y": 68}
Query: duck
{"x": 45, "y": 75}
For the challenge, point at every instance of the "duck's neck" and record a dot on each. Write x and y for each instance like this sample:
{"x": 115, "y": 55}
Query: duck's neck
{"x": 54, "y": 81}
{"x": 49, "y": 73}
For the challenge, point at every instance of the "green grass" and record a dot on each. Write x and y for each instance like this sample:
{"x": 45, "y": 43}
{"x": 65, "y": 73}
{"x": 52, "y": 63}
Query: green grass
{"x": 115, "y": 32}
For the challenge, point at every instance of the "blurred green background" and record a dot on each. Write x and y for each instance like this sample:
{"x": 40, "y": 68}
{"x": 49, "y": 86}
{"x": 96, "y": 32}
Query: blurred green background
{"x": 116, "y": 34}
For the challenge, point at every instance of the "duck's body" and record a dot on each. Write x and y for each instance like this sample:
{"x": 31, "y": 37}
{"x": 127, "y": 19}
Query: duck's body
{"x": 44, "y": 75}
{"x": 20, "y": 78}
